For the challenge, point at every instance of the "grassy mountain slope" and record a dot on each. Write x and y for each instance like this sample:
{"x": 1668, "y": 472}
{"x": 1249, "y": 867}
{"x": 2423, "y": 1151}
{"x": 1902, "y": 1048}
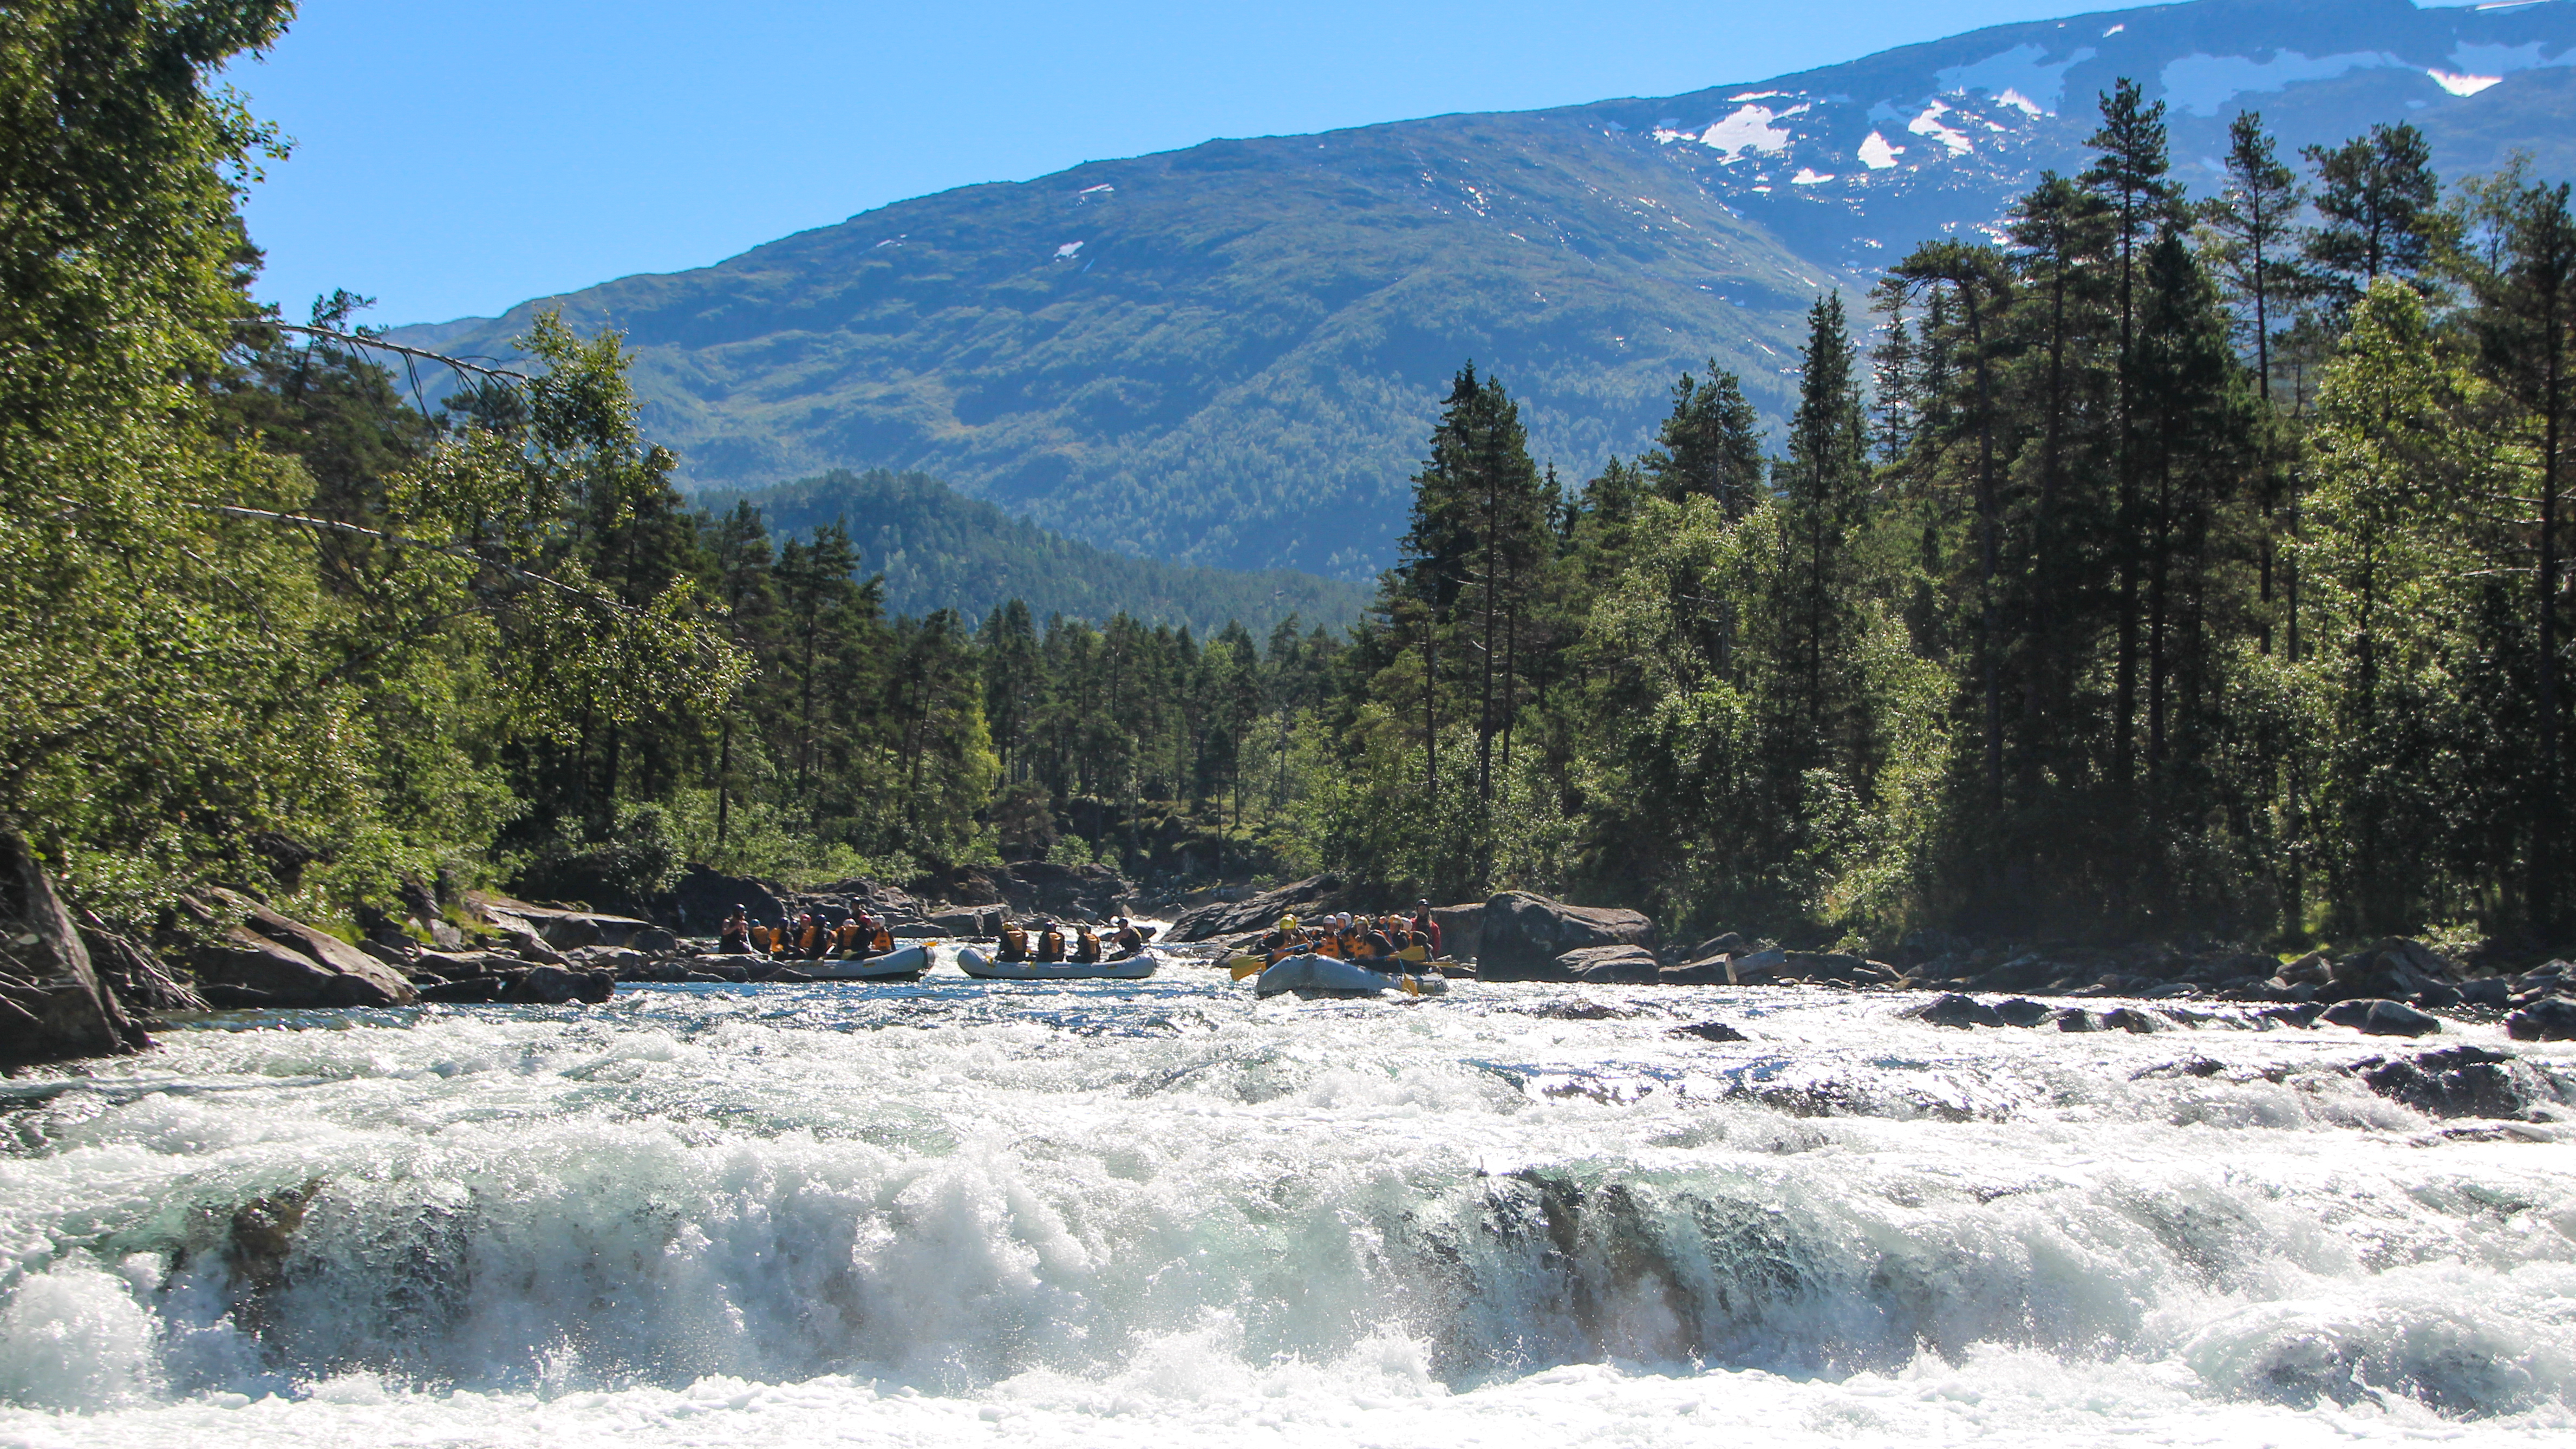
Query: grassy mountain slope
{"x": 1240, "y": 360}
{"x": 940, "y": 549}
{"x": 1231, "y": 354}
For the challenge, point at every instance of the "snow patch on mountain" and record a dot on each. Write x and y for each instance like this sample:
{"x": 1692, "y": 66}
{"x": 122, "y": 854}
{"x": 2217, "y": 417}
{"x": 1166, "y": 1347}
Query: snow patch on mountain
{"x": 1751, "y": 128}
{"x": 1876, "y": 154}
{"x": 2463, "y": 85}
{"x": 1929, "y": 124}
{"x": 2200, "y": 84}
{"x": 2023, "y": 75}
{"x": 1810, "y": 176}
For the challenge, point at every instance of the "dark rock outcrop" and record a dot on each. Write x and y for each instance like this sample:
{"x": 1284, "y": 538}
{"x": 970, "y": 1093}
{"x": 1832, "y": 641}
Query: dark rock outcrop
{"x": 1709, "y": 971}
{"x": 2021, "y": 1011}
{"x": 2461, "y": 1081}
{"x": 268, "y": 960}
{"x": 132, "y": 972}
{"x": 52, "y": 1003}
{"x": 2553, "y": 1019}
{"x": 1462, "y": 929}
{"x": 560, "y": 929}
{"x": 1955, "y": 1009}
{"x": 1609, "y": 966}
{"x": 2378, "y": 1017}
{"x": 1714, "y": 1031}
{"x": 1305, "y": 899}
{"x": 1523, "y": 934}
{"x": 704, "y": 897}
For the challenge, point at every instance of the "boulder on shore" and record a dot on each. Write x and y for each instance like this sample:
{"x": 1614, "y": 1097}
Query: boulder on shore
{"x": 1305, "y": 899}
{"x": 52, "y": 1003}
{"x": 1711, "y": 971}
{"x": 705, "y": 897}
{"x": 269, "y": 960}
{"x": 1610, "y": 966}
{"x": 1522, "y": 934}
{"x": 563, "y": 930}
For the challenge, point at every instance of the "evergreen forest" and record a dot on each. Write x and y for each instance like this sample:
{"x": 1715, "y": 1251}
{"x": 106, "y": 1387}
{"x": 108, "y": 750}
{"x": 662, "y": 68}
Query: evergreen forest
{"x": 2164, "y": 564}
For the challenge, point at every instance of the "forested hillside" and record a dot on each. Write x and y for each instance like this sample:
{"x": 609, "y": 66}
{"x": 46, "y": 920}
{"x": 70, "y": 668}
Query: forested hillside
{"x": 938, "y": 549}
{"x": 1229, "y": 354}
{"x": 2190, "y": 557}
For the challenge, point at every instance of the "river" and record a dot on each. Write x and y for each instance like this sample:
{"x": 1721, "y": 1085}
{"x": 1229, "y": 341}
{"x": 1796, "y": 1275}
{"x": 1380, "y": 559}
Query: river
{"x": 1162, "y": 1212}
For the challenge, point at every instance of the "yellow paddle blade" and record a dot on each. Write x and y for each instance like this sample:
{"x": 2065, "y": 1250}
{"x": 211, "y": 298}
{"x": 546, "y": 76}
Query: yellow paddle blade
{"x": 1411, "y": 986}
{"x": 1243, "y": 966}
{"x": 1414, "y": 953}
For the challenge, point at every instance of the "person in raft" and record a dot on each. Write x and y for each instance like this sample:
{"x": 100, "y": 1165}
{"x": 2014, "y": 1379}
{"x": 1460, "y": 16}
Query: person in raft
{"x": 1015, "y": 943}
{"x": 1050, "y": 941}
{"x": 1128, "y": 940}
{"x": 1283, "y": 938}
{"x": 733, "y": 938}
{"x": 1426, "y": 925}
{"x": 1086, "y": 944}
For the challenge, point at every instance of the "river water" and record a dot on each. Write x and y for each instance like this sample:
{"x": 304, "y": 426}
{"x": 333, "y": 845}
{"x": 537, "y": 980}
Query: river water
{"x": 1163, "y": 1212}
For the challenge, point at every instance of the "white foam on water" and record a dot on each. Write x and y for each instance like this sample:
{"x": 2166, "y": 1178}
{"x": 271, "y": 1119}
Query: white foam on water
{"x": 1111, "y": 1213}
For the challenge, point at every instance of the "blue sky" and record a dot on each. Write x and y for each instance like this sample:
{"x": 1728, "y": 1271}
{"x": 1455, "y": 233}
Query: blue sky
{"x": 454, "y": 158}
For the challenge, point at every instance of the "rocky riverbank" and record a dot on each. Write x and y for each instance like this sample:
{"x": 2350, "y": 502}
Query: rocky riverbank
{"x": 72, "y": 987}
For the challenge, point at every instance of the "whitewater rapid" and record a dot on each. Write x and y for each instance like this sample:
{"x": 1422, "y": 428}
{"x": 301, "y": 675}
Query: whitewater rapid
{"x": 1157, "y": 1212}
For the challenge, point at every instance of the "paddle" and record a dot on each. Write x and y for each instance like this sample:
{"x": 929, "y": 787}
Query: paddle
{"x": 1243, "y": 966}
{"x": 1411, "y": 986}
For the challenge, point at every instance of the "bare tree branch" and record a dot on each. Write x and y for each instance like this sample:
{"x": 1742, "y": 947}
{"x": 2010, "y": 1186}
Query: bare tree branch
{"x": 359, "y": 339}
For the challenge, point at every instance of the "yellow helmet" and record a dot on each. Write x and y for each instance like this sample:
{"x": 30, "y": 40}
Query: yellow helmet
{"x": 1288, "y": 922}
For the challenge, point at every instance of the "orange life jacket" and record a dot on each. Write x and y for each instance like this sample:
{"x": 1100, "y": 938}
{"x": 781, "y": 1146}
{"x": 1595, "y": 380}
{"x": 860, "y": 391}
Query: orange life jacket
{"x": 1051, "y": 946}
{"x": 1015, "y": 944}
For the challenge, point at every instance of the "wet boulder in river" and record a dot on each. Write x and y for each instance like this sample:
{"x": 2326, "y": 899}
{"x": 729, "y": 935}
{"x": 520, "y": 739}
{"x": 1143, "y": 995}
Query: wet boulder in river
{"x": 1955, "y": 1009}
{"x": 2552, "y": 1019}
{"x": 2381, "y": 1018}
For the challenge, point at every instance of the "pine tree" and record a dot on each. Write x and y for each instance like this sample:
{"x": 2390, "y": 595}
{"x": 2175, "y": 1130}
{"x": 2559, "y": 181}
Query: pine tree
{"x": 2379, "y": 200}
{"x": 1710, "y": 445}
{"x": 2129, "y": 175}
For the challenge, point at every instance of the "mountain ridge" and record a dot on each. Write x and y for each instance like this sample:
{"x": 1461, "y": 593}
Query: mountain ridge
{"x": 1230, "y": 353}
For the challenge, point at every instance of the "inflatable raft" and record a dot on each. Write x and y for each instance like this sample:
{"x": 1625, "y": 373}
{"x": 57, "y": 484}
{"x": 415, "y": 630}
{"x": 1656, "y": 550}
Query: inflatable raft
{"x": 973, "y": 961}
{"x": 903, "y": 963}
{"x": 1310, "y": 974}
